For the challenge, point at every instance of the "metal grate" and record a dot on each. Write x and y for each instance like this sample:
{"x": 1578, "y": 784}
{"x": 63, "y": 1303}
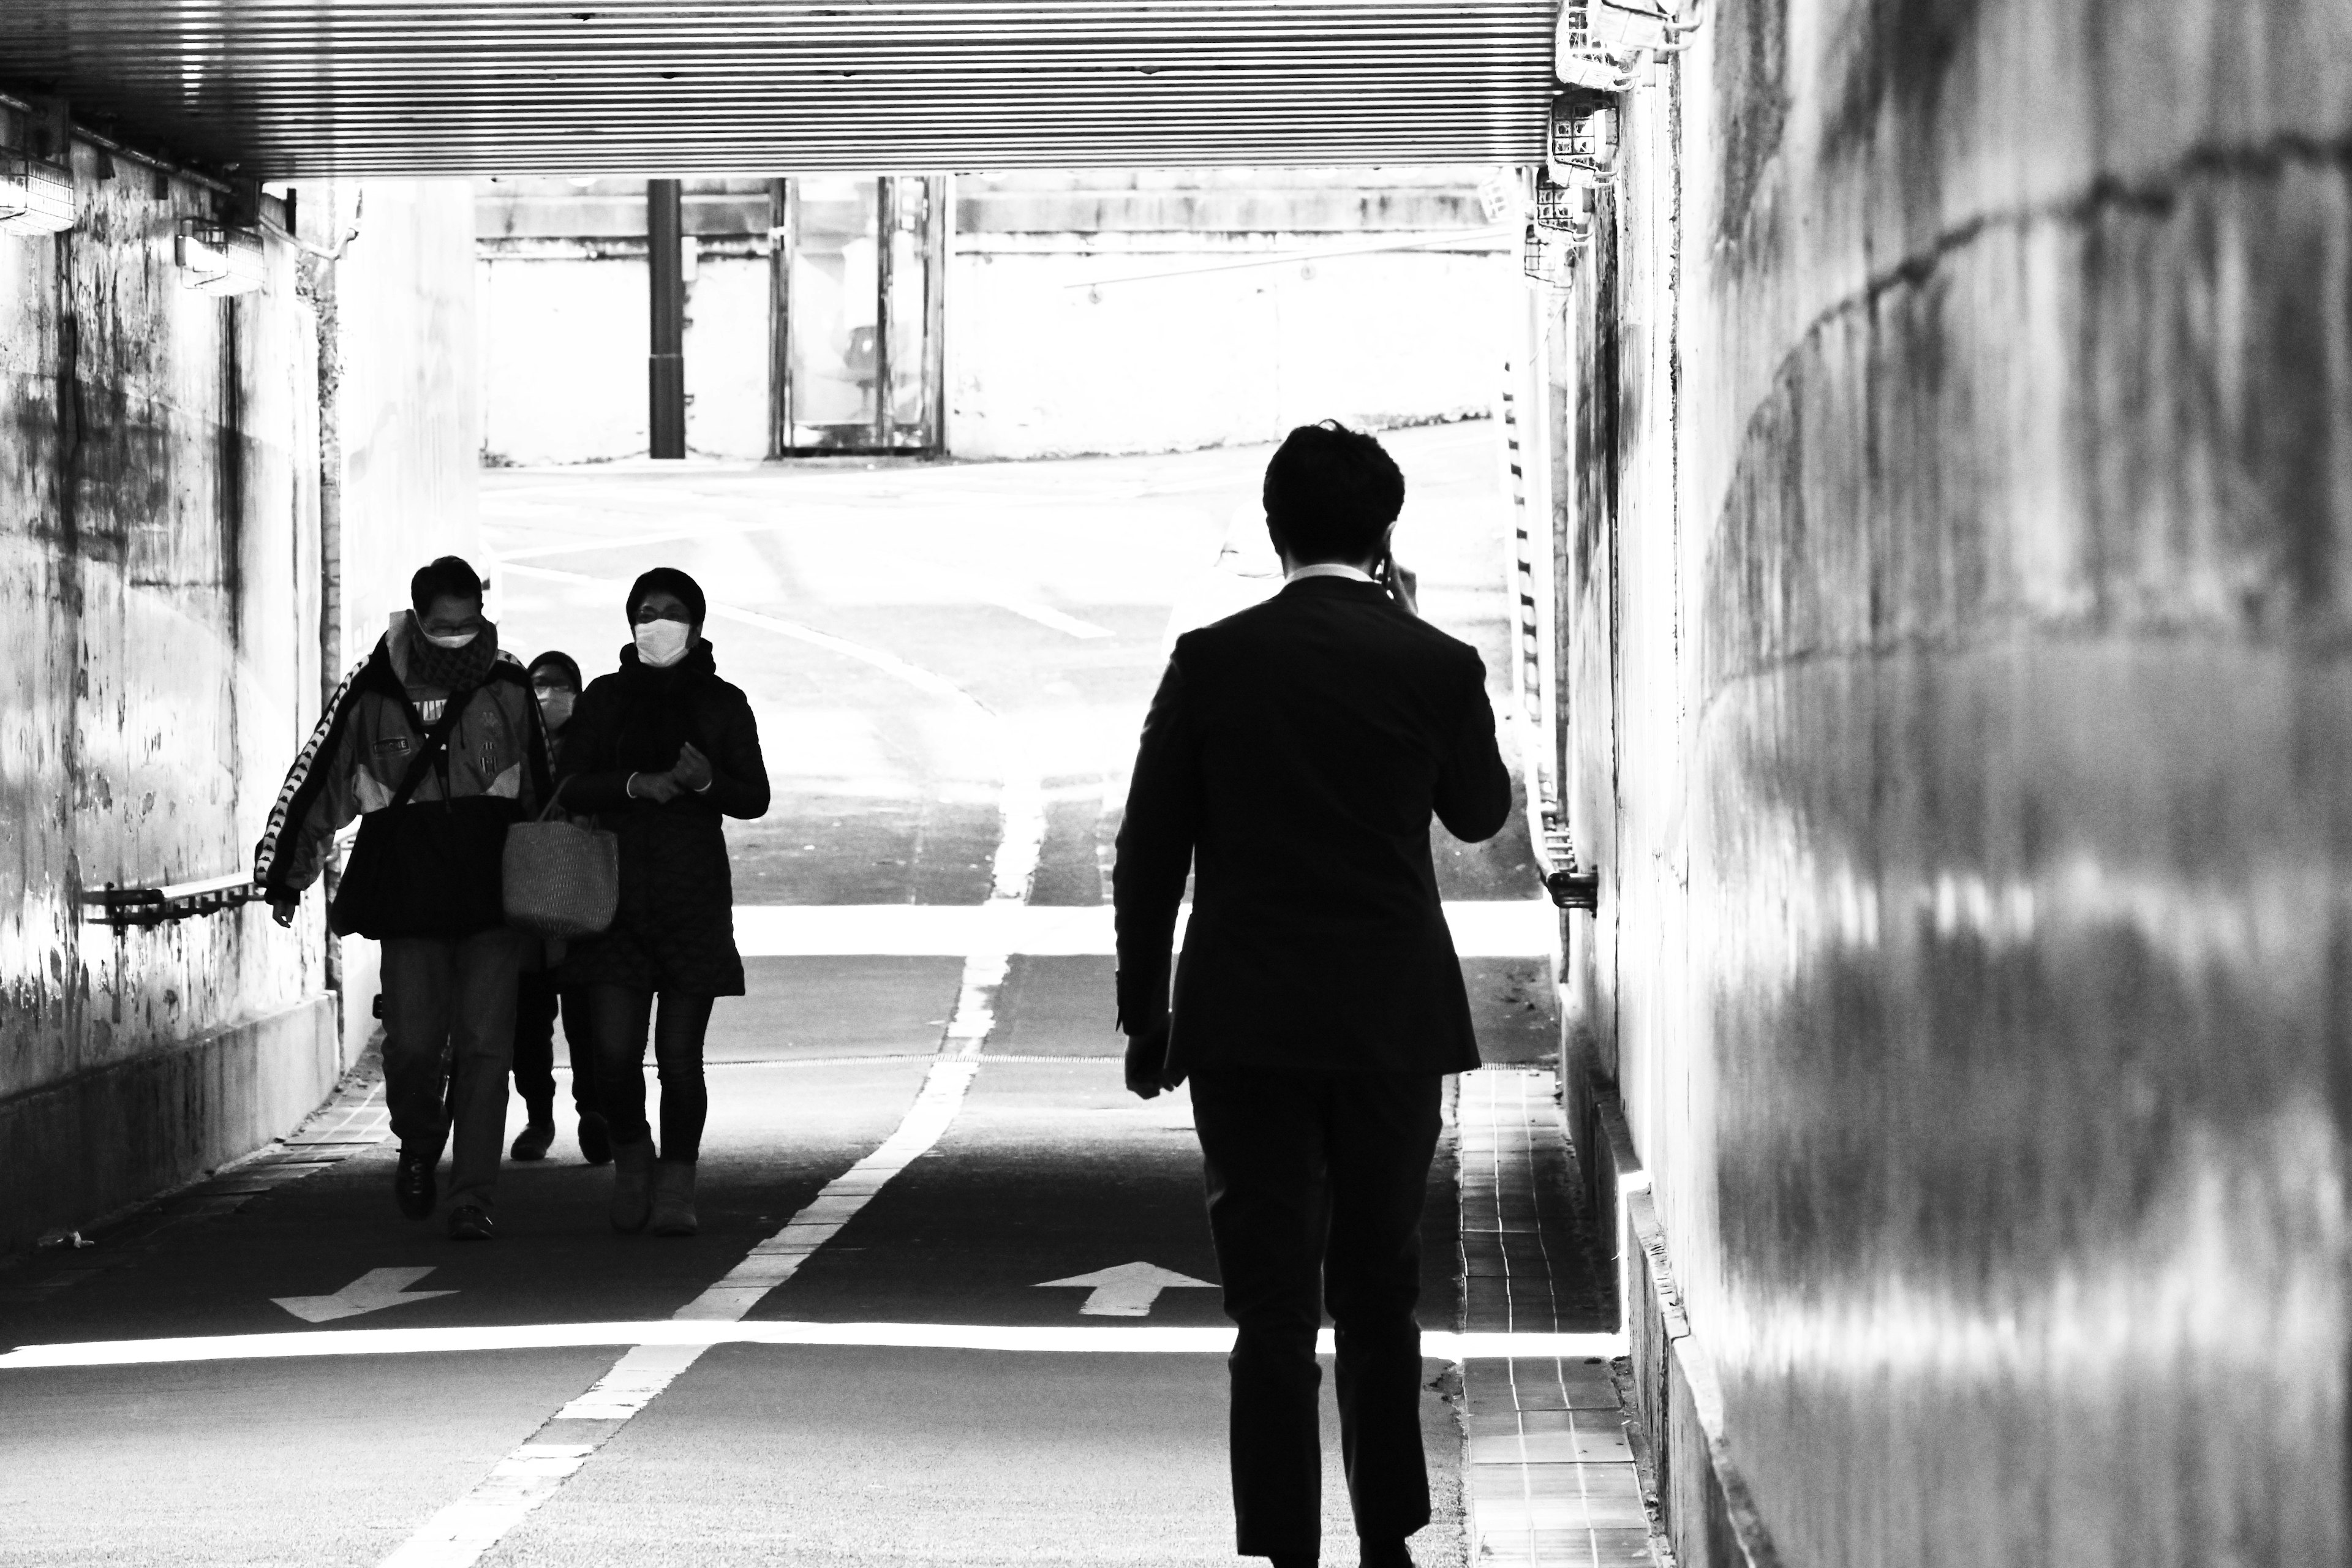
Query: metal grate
{"x": 288, "y": 88}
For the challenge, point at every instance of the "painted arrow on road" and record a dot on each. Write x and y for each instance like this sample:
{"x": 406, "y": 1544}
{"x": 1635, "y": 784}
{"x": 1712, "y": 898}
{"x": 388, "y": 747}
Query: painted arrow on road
{"x": 1128, "y": 1290}
{"x": 370, "y": 1293}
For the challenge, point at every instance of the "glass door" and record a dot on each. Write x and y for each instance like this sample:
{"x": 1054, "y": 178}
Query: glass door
{"x": 855, "y": 357}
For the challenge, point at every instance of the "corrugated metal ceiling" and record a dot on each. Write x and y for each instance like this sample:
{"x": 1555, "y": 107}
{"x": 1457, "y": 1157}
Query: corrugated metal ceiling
{"x": 289, "y": 88}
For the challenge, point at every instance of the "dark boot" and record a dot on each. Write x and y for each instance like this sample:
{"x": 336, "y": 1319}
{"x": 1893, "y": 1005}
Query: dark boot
{"x": 596, "y": 1138}
{"x": 633, "y": 1176}
{"x": 538, "y": 1131}
{"x": 673, "y": 1208}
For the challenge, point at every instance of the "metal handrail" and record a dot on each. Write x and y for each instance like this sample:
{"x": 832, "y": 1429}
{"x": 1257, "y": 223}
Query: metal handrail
{"x": 122, "y": 907}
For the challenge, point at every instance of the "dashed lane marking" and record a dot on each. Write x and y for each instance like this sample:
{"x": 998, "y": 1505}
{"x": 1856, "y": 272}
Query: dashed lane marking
{"x": 1058, "y": 620}
{"x": 663, "y": 1347}
{"x": 459, "y": 1535}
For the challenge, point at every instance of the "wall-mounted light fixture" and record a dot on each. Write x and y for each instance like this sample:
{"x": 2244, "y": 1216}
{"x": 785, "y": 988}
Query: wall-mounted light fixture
{"x": 1549, "y": 257}
{"x": 1605, "y": 44}
{"x": 217, "y": 259}
{"x": 1582, "y": 146}
{"x": 36, "y": 197}
{"x": 1564, "y": 209}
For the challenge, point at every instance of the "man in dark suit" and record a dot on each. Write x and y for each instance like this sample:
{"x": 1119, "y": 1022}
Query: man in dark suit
{"x": 1292, "y": 760}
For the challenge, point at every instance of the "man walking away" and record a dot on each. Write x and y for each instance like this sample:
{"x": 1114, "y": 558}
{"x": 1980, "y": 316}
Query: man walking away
{"x": 435, "y": 742}
{"x": 1291, "y": 761}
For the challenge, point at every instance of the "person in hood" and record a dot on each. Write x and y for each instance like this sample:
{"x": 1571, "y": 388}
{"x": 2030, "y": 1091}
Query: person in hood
{"x": 663, "y": 749}
{"x": 555, "y": 681}
{"x": 434, "y": 743}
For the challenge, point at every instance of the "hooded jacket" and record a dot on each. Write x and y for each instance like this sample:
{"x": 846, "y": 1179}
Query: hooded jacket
{"x": 361, "y": 748}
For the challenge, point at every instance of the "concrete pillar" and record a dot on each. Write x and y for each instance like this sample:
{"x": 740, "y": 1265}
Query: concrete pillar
{"x": 665, "y": 365}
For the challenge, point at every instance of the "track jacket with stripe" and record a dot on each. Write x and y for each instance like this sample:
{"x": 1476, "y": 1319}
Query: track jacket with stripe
{"x": 359, "y": 754}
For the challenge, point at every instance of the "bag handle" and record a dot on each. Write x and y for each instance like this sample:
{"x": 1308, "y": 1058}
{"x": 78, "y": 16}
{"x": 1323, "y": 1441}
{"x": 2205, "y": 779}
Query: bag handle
{"x": 434, "y": 740}
{"x": 562, "y": 784}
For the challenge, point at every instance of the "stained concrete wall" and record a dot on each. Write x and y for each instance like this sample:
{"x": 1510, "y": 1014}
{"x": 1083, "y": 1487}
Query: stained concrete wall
{"x": 1049, "y": 352}
{"x": 1956, "y": 425}
{"x": 159, "y": 514}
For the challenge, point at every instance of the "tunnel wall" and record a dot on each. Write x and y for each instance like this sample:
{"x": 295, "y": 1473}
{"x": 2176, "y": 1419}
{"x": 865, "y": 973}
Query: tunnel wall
{"x": 1958, "y": 437}
{"x": 160, "y": 512}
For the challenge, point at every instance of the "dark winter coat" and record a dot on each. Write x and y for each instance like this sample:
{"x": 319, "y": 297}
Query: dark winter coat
{"x": 1291, "y": 763}
{"x": 675, "y": 930}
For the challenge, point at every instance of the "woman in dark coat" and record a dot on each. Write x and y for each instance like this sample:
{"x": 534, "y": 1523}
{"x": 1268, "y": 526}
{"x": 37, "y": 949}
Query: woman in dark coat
{"x": 661, "y": 750}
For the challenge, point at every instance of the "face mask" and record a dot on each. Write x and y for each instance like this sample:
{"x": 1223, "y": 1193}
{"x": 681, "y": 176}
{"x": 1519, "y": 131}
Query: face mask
{"x": 457, "y": 639}
{"x": 555, "y": 706}
{"x": 662, "y": 643}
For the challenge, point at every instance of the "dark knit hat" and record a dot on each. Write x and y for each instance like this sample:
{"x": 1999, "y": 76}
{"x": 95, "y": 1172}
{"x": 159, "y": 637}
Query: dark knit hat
{"x": 562, "y": 664}
{"x": 666, "y": 580}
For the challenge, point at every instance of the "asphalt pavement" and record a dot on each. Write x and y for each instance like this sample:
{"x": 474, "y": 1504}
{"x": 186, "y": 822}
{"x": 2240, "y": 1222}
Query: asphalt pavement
{"x": 923, "y": 1187}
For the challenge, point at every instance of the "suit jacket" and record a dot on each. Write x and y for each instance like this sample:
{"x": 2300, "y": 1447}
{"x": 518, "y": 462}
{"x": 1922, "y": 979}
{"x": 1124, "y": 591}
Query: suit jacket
{"x": 1291, "y": 760}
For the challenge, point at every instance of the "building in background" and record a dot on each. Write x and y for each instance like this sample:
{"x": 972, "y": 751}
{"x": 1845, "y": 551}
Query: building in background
{"x": 1037, "y": 314}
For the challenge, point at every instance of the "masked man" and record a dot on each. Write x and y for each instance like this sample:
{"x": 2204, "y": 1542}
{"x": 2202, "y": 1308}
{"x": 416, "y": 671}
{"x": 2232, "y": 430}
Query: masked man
{"x": 435, "y": 743}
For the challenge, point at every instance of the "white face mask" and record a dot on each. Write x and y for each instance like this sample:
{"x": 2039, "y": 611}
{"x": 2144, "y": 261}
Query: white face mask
{"x": 455, "y": 639}
{"x": 662, "y": 643}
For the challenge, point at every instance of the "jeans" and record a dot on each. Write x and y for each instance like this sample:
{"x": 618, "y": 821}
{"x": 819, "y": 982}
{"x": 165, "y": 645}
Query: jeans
{"x": 618, "y": 1018}
{"x": 536, "y": 1005}
{"x": 448, "y": 1019}
{"x": 1315, "y": 1184}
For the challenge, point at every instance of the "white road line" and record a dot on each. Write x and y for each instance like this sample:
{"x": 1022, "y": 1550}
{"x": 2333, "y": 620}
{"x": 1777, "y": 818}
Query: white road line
{"x": 1500, "y": 928}
{"x": 669, "y": 1345}
{"x": 459, "y": 1535}
{"x": 1046, "y": 616}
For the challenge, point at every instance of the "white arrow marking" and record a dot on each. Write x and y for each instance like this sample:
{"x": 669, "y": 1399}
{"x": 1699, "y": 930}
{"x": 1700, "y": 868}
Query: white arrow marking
{"x": 370, "y": 1293}
{"x": 1128, "y": 1290}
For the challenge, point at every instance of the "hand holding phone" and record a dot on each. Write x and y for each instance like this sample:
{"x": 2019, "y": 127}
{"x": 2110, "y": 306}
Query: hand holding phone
{"x": 1403, "y": 582}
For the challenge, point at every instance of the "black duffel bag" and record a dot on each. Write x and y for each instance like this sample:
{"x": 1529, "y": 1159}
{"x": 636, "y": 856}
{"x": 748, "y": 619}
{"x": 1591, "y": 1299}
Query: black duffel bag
{"x": 426, "y": 868}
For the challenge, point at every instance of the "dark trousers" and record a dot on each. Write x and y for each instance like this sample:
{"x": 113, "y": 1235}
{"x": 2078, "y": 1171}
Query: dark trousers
{"x": 618, "y": 1020}
{"x": 1315, "y": 1184}
{"x": 537, "y": 1004}
{"x": 449, "y": 1011}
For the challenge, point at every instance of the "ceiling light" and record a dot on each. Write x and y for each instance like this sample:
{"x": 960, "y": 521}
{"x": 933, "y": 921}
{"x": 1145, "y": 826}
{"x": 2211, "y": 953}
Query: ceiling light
{"x": 35, "y": 197}
{"x": 217, "y": 259}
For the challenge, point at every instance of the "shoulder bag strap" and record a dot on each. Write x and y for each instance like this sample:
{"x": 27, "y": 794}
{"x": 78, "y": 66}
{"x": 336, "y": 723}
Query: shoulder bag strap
{"x": 434, "y": 740}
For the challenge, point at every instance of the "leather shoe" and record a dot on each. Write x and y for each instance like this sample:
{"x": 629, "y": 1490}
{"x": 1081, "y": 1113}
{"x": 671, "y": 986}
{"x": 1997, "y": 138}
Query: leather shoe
{"x": 1383, "y": 1554}
{"x": 412, "y": 1186}
{"x": 467, "y": 1223}
{"x": 595, "y": 1139}
{"x": 532, "y": 1142}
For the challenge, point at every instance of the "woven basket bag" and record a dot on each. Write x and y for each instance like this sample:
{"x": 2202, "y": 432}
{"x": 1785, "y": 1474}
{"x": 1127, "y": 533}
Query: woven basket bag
{"x": 560, "y": 879}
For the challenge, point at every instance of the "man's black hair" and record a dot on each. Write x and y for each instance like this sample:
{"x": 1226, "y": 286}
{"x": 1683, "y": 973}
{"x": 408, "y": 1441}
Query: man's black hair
{"x": 1330, "y": 493}
{"x": 449, "y": 577}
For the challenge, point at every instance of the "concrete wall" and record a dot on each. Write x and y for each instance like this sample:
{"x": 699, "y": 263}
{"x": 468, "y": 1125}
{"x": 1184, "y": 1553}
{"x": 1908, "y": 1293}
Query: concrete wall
{"x": 1957, "y": 425}
{"x": 407, "y": 409}
{"x": 1048, "y": 351}
{"x": 160, "y": 518}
